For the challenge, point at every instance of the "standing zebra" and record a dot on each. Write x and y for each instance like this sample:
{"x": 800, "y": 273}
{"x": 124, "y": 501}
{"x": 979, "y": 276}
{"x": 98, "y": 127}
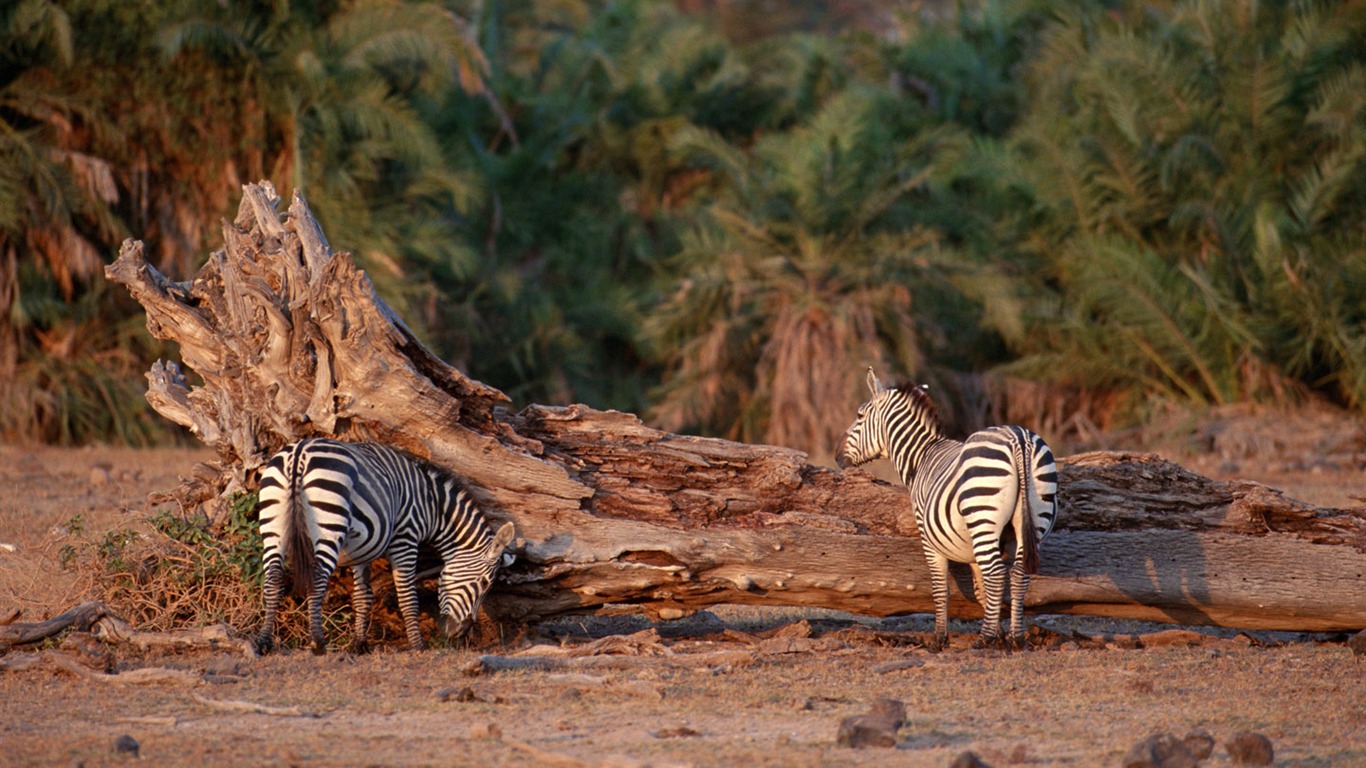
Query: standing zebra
{"x": 328, "y": 503}
{"x": 967, "y": 496}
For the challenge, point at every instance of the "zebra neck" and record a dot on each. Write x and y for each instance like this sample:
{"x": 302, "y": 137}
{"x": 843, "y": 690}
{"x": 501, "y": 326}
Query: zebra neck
{"x": 916, "y": 454}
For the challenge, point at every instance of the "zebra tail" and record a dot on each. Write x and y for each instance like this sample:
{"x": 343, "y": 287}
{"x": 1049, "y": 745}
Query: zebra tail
{"x": 1024, "y": 510}
{"x": 300, "y": 544}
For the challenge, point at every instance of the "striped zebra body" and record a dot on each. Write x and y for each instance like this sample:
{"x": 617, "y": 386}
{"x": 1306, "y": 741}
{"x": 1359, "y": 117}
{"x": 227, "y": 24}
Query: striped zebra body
{"x": 325, "y": 504}
{"x": 971, "y": 498}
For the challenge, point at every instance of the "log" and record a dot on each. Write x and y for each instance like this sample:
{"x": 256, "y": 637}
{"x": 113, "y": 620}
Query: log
{"x": 80, "y": 618}
{"x": 288, "y": 339}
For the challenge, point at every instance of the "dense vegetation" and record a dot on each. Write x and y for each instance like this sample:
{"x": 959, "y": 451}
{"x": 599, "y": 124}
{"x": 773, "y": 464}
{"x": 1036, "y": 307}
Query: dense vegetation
{"x": 715, "y": 223}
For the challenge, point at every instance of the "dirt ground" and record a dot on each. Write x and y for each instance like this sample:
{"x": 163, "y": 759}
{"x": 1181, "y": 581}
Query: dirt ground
{"x": 737, "y": 687}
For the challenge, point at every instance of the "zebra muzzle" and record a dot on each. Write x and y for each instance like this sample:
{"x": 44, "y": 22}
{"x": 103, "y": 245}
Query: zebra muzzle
{"x": 455, "y": 628}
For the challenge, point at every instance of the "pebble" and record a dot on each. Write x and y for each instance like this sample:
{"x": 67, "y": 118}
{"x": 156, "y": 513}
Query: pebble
{"x": 1200, "y": 743}
{"x": 126, "y": 745}
{"x": 1161, "y": 750}
{"x": 968, "y": 759}
{"x": 877, "y": 728}
{"x": 1248, "y": 748}
{"x": 1357, "y": 643}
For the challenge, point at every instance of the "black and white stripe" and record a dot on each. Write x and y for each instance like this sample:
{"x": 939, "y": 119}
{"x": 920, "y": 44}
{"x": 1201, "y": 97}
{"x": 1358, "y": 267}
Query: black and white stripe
{"x": 970, "y": 498}
{"x": 325, "y": 503}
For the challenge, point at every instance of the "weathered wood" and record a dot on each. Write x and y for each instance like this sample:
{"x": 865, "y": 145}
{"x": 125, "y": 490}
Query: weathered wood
{"x": 290, "y": 340}
{"x": 79, "y": 618}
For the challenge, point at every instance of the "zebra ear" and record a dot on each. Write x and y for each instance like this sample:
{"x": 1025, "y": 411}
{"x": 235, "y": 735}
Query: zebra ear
{"x": 501, "y": 539}
{"x": 874, "y": 385}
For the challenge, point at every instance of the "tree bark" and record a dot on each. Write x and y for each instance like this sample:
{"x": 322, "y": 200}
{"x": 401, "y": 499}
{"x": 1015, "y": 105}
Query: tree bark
{"x": 290, "y": 340}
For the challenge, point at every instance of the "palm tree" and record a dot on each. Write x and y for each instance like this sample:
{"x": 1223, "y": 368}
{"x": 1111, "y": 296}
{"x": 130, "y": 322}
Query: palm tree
{"x": 1202, "y": 174}
{"x": 55, "y": 214}
{"x": 809, "y": 268}
{"x": 332, "y": 104}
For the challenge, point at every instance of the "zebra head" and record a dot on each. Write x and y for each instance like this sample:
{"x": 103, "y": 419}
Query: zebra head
{"x": 465, "y": 581}
{"x": 868, "y": 438}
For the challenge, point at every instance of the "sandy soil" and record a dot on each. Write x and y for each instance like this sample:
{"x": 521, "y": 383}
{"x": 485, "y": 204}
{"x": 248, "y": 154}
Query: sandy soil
{"x": 766, "y": 703}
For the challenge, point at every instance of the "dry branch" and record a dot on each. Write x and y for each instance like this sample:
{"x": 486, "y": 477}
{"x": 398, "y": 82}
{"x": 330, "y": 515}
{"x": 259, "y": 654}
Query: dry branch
{"x": 251, "y": 708}
{"x": 289, "y": 340}
{"x": 81, "y": 618}
{"x": 143, "y": 676}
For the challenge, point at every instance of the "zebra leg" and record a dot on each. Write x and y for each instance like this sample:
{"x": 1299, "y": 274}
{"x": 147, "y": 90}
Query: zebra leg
{"x": 939, "y": 587}
{"x": 1019, "y": 585}
{"x": 993, "y": 584}
{"x": 362, "y": 601}
{"x": 274, "y": 585}
{"x": 405, "y": 585}
{"x": 322, "y": 574}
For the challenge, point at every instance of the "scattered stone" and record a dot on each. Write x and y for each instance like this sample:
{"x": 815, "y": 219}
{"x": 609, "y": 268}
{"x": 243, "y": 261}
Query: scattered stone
{"x": 681, "y": 731}
{"x": 467, "y": 694}
{"x": 1248, "y": 748}
{"x": 101, "y": 474}
{"x": 84, "y": 649}
{"x": 796, "y": 629}
{"x": 480, "y": 731}
{"x": 968, "y": 759}
{"x": 1357, "y": 643}
{"x": 876, "y": 729}
{"x": 1161, "y": 750}
{"x": 1200, "y": 743}
{"x": 126, "y": 745}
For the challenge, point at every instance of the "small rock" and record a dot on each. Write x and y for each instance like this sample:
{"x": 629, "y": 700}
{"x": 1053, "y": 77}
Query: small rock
{"x": 1357, "y": 643}
{"x": 1248, "y": 748}
{"x": 101, "y": 474}
{"x": 876, "y": 729}
{"x": 859, "y": 731}
{"x": 968, "y": 759}
{"x": 467, "y": 694}
{"x": 1200, "y": 743}
{"x": 677, "y": 732}
{"x": 83, "y": 648}
{"x": 480, "y": 731}
{"x": 1162, "y": 750}
{"x": 889, "y": 709}
{"x": 126, "y": 745}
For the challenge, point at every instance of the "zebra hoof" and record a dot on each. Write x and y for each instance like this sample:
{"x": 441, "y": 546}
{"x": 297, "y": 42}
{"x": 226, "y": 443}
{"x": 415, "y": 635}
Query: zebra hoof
{"x": 319, "y": 648}
{"x": 984, "y": 642}
{"x": 265, "y": 644}
{"x": 1017, "y": 643}
{"x": 937, "y": 643}
{"x": 359, "y": 647}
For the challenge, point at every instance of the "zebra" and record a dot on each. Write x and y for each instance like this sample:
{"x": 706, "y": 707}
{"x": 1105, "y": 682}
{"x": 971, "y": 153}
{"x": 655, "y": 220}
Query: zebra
{"x": 966, "y": 495}
{"x": 325, "y": 503}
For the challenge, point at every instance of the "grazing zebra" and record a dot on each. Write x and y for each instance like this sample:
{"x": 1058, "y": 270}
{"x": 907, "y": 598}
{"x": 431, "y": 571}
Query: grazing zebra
{"x": 967, "y": 496}
{"x": 325, "y": 503}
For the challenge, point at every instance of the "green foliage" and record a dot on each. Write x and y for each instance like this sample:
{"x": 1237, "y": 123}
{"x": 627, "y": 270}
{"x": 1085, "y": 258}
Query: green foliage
{"x": 1200, "y": 178}
{"x": 235, "y": 551}
{"x": 618, "y": 202}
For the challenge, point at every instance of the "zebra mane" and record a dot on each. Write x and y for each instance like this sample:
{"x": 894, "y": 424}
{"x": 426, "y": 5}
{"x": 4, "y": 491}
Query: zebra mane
{"x": 921, "y": 402}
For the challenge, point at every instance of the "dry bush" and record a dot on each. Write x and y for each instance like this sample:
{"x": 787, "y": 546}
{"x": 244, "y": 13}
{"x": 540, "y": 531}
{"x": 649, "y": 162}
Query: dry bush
{"x": 187, "y": 575}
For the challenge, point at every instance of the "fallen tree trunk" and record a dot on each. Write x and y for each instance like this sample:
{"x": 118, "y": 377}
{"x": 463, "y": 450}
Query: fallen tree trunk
{"x": 290, "y": 341}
